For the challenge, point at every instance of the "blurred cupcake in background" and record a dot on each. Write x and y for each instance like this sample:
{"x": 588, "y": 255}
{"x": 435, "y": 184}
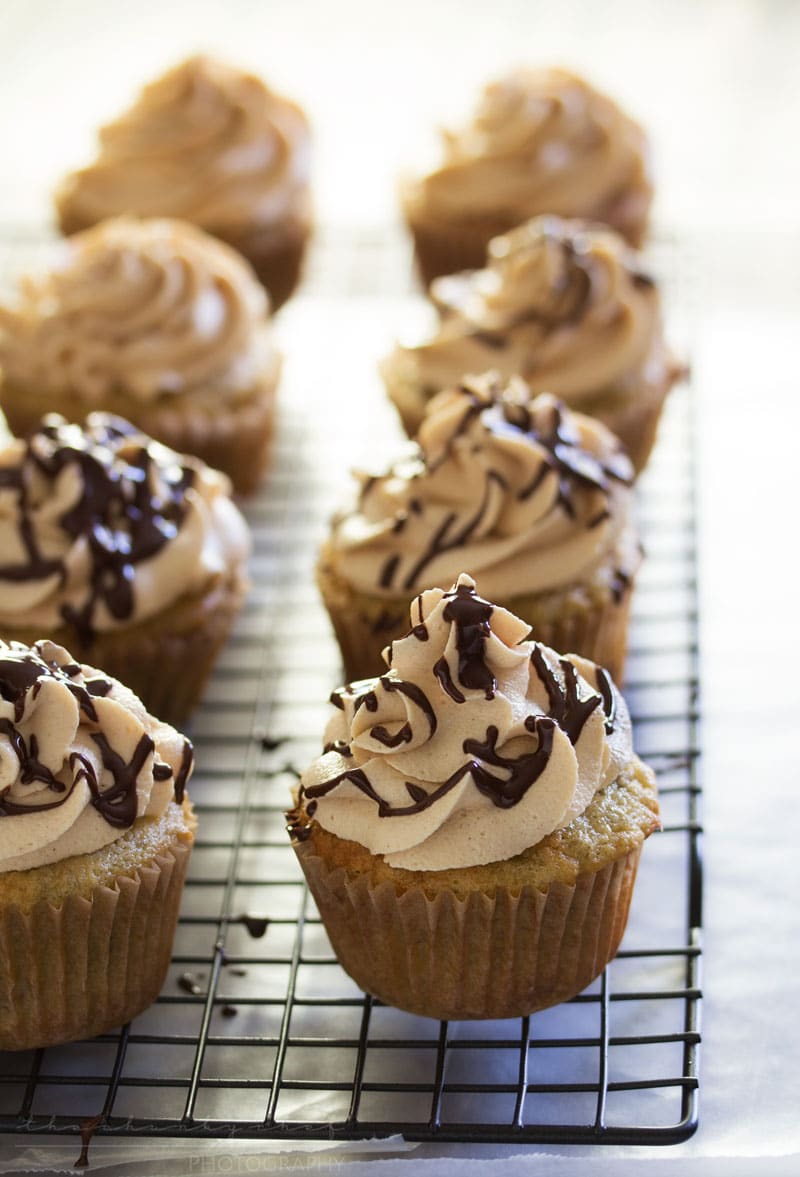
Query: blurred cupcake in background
{"x": 157, "y": 322}
{"x": 539, "y": 141}
{"x": 567, "y": 306}
{"x": 125, "y": 552}
{"x": 533, "y": 499}
{"x": 210, "y": 144}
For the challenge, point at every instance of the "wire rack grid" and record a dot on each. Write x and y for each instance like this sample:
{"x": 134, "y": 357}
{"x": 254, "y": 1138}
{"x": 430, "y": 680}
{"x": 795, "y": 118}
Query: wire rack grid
{"x": 258, "y": 1032}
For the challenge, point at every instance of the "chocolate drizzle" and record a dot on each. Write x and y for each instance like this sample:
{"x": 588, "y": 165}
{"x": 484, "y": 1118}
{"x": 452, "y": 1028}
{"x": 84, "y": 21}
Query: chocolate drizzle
{"x": 568, "y": 709}
{"x": 504, "y": 791}
{"x": 470, "y": 615}
{"x": 123, "y": 512}
{"x": 609, "y": 698}
{"x": 503, "y": 410}
{"x": 574, "y": 466}
{"x": 23, "y": 670}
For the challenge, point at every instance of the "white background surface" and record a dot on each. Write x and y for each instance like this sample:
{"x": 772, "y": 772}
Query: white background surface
{"x": 716, "y": 84}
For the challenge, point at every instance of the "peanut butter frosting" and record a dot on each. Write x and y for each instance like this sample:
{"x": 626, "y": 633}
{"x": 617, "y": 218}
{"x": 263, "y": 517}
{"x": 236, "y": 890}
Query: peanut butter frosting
{"x": 101, "y": 527}
{"x": 80, "y": 758}
{"x": 207, "y": 143}
{"x": 474, "y": 745}
{"x": 539, "y": 141}
{"x": 148, "y": 308}
{"x": 565, "y": 305}
{"x": 526, "y": 494}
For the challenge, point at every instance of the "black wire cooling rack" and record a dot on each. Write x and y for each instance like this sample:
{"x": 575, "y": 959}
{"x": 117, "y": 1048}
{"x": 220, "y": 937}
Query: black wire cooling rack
{"x": 258, "y": 1033}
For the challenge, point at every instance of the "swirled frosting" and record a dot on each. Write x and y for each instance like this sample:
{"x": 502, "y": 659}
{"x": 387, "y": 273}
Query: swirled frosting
{"x": 474, "y": 746}
{"x": 80, "y": 758}
{"x": 540, "y": 141}
{"x": 207, "y": 143}
{"x": 101, "y": 527}
{"x": 565, "y": 305}
{"x": 148, "y": 308}
{"x": 526, "y": 494}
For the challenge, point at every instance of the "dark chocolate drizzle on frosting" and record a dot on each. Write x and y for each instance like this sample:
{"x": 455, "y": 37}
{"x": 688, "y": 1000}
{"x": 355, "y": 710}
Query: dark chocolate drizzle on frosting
{"x": 23, "y": 669}
{"x": 568, "y": 709}
{"x": 123, "y": 516}
{"x": 551, "y": 432}
{"x": 470, "y": 615}
{"x": 519, "y": 773}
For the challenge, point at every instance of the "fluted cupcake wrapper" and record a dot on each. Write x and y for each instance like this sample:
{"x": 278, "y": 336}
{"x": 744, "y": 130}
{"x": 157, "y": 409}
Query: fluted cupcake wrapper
{"x": 165, "y": 660}
{"x": 232, "y": 436}
{"x": 499, "y": 955}
{"x": 443, "y": 247}
{"x": 448, "y": 247}
{"x": 93, "y": 963}
{"x": 277, "y": 259}
{"x": 593, "y": 625}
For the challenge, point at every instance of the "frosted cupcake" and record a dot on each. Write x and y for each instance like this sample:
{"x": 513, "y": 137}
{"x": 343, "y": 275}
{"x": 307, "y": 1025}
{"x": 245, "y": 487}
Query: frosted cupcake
{"x": 123, "y": 551}
{"x": 566, "y": 306}
{"x": 213, "y": 145}
{"x": 472, "y": 830}
{"x": 539, "y": 141}
{"x": 95, "y": 837}
{"x": 157, "y": 322}
{"x": 535, "y": 500}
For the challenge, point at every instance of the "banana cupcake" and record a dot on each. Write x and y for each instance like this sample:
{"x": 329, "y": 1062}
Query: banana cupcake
{"x": 535, "y": 500}
{"x": 213, "y": 145}
{"x": 158, "y": 322}
{"x": 124, "y": 552}
{"x": 95, "y": 837}
{"x": 567, "y": 306}
{"x": 539, "y": 141}
{"x": 472, "y": 831}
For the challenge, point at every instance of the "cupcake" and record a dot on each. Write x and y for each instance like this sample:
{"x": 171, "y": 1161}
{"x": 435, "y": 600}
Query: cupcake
{"x": 567, "y": 306}
{"x": 213, "y": 145}
{"x": 472, "y": 830}
{"x": 534, "y": 499}
{"x": 95, "y": 837}
{"x": 539, "y": 141}
{"x": 123, "y": 551}
{"x": 154, "y": 321}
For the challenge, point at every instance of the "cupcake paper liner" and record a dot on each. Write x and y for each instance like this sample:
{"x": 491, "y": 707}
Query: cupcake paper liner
{"x": 93, "y": 963}
{"x": 449, "y": 247}
{"x": 165, "y": 660}
{"x": 277, "y": 259}
{"x": 232, "y": 436}
{"x": 499, "y": 955}
{"x": 593, "y": 624}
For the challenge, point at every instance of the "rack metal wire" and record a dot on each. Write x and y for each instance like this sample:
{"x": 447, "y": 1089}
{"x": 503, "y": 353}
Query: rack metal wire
{"x": 258, "y": 1033}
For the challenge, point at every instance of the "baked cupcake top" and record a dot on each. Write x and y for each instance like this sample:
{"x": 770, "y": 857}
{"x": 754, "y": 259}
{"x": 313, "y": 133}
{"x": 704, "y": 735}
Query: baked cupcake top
{"x": 101, "y": 527}
{"x": 526, "y": 494}
{"x": 147, "y": 308}
{"x": 565, "y": 305}
{"x": 539, "y": 141}
{"x": 80, "y": 758}
{"x": 474, "y": 745}
{"x": 206, "y": 142}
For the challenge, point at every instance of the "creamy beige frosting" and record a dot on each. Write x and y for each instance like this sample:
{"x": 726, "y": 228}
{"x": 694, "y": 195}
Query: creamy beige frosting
{"x": 80, "y": 758}
{"x": 146, "y": 308}
{"x": 565, "y": 305}
{"x": 526, "y": 494}
{"x": 474, "y": 746}
{"x": 102, "y": 527}
{"x": 540, "y": 141}
{"x": 207, "y": 143}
